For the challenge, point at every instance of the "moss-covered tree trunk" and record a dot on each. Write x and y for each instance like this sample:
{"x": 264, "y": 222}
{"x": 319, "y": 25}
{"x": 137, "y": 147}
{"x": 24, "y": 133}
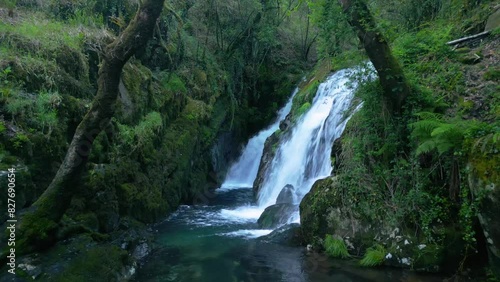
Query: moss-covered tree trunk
{"x": 391, "y": 75}
{"x": 39, "y": 224}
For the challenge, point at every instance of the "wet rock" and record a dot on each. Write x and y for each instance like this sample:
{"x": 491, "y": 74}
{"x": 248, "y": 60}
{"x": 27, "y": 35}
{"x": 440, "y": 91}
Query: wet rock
{"x": 141, "y": 251}
{"x": 287, "y": 195}
{"x": 276, "y": 215}
{"x": 288, "y": 234}
{"x": 30, "y": 266}
{"x": 265, "y": 162}
{"x": 285, "y": 124}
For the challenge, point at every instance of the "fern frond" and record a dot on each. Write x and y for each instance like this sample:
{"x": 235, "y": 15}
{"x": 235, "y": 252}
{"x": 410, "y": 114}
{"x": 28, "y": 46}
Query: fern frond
{"x": 444, "y": 129}
{"x": 444, "y": 146}
{"x": 422, "y": 129}
{"x": 426, "y": 147}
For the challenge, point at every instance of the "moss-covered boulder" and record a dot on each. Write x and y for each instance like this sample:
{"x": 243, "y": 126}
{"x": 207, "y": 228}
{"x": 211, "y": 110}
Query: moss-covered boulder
{"x": 324, "y": 212}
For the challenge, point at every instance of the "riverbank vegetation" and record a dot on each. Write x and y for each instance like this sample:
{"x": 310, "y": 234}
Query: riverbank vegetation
{"x": 416, "y": 184}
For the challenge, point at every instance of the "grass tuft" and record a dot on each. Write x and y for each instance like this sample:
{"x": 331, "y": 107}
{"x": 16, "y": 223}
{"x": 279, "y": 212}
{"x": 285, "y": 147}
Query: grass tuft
{"x": 335, "y": 247}
{"x": 374, "y": 256}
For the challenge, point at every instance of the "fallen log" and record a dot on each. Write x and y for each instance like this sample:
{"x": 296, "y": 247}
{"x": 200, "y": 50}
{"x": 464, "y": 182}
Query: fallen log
{"x": 469, "y": 38}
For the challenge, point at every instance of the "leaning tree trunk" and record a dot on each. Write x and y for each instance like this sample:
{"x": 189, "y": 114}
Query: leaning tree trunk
{"x": 39, "y": 224}
{"x": 392, "y": 78}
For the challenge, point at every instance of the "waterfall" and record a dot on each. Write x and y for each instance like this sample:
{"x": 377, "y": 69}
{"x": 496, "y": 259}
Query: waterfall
{"x": 244, "y": 171}
{"x": 304, "y": 156}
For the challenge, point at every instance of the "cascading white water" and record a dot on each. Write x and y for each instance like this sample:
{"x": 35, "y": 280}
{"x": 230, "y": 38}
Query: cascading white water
{"x": 244, "y": 171}
{"x": 301, "y": 159}
{"x": 304, "y": 157}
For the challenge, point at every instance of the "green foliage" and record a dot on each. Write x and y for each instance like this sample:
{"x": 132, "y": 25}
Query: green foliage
{"x": 9, "y": 4}
{"x": 492, "y": 74}
{"x": 374, "y": 256}
{"x": 468, "y": 210}
{"x": 496, "y": 31}
{"x": 349, "y": 58}
{"x": 50, "y": 33}
{"x": 39, "y": 111}
{"x": 335, "y": 247}
{"x": 143, "y": 133}
{"x": 335, "y": 34}
{"x": 79, "y": 13}
{"x": 434, "y": 133}
{"x": 174, "y": 83}
{"x": 6, "y": 86}
{"x": 19, "y": 140}
{"x": 431, "y": 65}
{"x": 429, "y": 42}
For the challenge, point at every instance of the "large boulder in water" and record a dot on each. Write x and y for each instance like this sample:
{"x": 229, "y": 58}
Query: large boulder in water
{"x": 276, "y": 215}
{"x": 287, "y": 195}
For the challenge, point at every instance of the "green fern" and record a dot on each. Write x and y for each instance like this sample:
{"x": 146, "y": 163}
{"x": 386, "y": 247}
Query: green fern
{"x": 426, "y": 147}
{"x": 374, "y": 256}
{"x": 335, "y": 247}
{"x": 433, "y": 133}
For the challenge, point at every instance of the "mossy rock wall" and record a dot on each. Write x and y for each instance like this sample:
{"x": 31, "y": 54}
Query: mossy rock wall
{"x": 486, "y": 189}
{"x": 154, "y": 165}
{"x": 166, "y": 145}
